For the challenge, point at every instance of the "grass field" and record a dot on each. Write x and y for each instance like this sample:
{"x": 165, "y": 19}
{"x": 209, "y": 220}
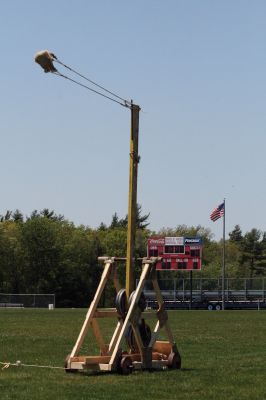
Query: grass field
{"x": 223, "y": 357}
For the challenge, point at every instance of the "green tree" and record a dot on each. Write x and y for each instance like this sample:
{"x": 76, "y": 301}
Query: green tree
{"x": 79, "y": 271}
{"x": 17, "y": 216}
{"x": 116, "y": 222}
{"x": 233, "y": 255}
{"x": 236, "y": 235}
{"x": 252, "y": 253}
{"x": 6, "y": 217}
{"x": 46, "y": 213}
{"x": 12, "y": 260}
{"x": 40, "y": 241}
{"x": 102, "y": 227}
{"x": 262, "y": 261}
{"x": 141, "y": 220}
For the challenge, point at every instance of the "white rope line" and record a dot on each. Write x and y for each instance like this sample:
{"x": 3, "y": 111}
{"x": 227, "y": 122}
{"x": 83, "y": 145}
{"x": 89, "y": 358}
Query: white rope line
{"x": 20, "y": 364}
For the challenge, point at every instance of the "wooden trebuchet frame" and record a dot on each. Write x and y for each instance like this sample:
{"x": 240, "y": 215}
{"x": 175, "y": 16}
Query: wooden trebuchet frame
{"x": 153, "y": 354}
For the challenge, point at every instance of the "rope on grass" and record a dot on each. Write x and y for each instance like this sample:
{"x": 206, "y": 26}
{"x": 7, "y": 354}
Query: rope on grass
{"x": 20, "y": 364}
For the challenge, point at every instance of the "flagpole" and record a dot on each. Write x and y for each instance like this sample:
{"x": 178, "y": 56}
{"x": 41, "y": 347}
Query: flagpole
{"x": 223, "y": 266}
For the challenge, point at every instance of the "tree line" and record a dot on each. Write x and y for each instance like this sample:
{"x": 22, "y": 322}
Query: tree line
{"x": 46, "y": 253}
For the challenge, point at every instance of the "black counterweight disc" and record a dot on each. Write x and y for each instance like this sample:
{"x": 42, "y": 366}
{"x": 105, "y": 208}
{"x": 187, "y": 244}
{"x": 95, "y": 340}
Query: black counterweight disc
{"x": 121, "y": 303}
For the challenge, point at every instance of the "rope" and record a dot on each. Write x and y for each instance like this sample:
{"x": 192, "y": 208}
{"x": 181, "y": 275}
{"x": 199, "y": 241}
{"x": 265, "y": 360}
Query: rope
{"x": 125, "y": 104}
{"x": 91, "y": 81}
{"x": 20, "y": 364}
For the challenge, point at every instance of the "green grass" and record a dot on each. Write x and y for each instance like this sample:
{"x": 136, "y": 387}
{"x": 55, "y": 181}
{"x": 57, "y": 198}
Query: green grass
{"x": 223, "y": 357}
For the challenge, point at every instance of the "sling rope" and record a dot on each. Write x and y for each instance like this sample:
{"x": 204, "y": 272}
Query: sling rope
{"x": 123, "y": 102}
{"x": 91, "y": 81}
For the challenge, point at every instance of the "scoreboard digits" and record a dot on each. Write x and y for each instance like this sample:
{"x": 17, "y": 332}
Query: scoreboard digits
{"x": 178, "y": 253}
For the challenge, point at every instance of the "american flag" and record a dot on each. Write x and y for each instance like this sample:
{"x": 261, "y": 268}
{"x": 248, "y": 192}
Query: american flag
{"x": 217, "y": 213}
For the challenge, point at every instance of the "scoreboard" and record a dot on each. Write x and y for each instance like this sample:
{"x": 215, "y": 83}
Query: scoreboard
{"x": 178, "y": 253}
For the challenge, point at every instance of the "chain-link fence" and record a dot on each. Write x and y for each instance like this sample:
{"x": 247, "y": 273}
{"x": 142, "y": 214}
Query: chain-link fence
{"x": 12, "y": 300}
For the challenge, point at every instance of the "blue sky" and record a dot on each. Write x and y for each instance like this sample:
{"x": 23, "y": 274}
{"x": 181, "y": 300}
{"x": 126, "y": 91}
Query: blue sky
{"x": 197, "y": 70}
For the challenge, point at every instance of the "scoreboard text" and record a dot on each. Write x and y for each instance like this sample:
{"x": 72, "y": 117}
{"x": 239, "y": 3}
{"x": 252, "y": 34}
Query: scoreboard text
{"x": 178, "y": 253}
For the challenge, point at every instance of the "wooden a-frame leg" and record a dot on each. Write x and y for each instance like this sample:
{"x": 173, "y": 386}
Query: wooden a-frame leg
{"x": 161, "y": 306}
{"x": 115, "y": 336}
{"x": 137, "y": 294}
{"x": 92, "y": 309}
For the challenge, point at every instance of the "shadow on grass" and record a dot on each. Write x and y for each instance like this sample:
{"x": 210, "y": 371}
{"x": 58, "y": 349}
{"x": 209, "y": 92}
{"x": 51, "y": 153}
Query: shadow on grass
{"x": 117, "y": 373}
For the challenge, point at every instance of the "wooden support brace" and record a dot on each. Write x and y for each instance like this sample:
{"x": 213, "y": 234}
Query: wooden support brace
{"x": 99, "y": 337}
{"x": 136, "y": 296}
{"x": 92, "y": 309}
{"x": 161, "y": 313}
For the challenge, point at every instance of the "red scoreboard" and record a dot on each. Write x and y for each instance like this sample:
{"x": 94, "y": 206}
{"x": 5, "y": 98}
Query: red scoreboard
{"x": 178, "y": 253}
